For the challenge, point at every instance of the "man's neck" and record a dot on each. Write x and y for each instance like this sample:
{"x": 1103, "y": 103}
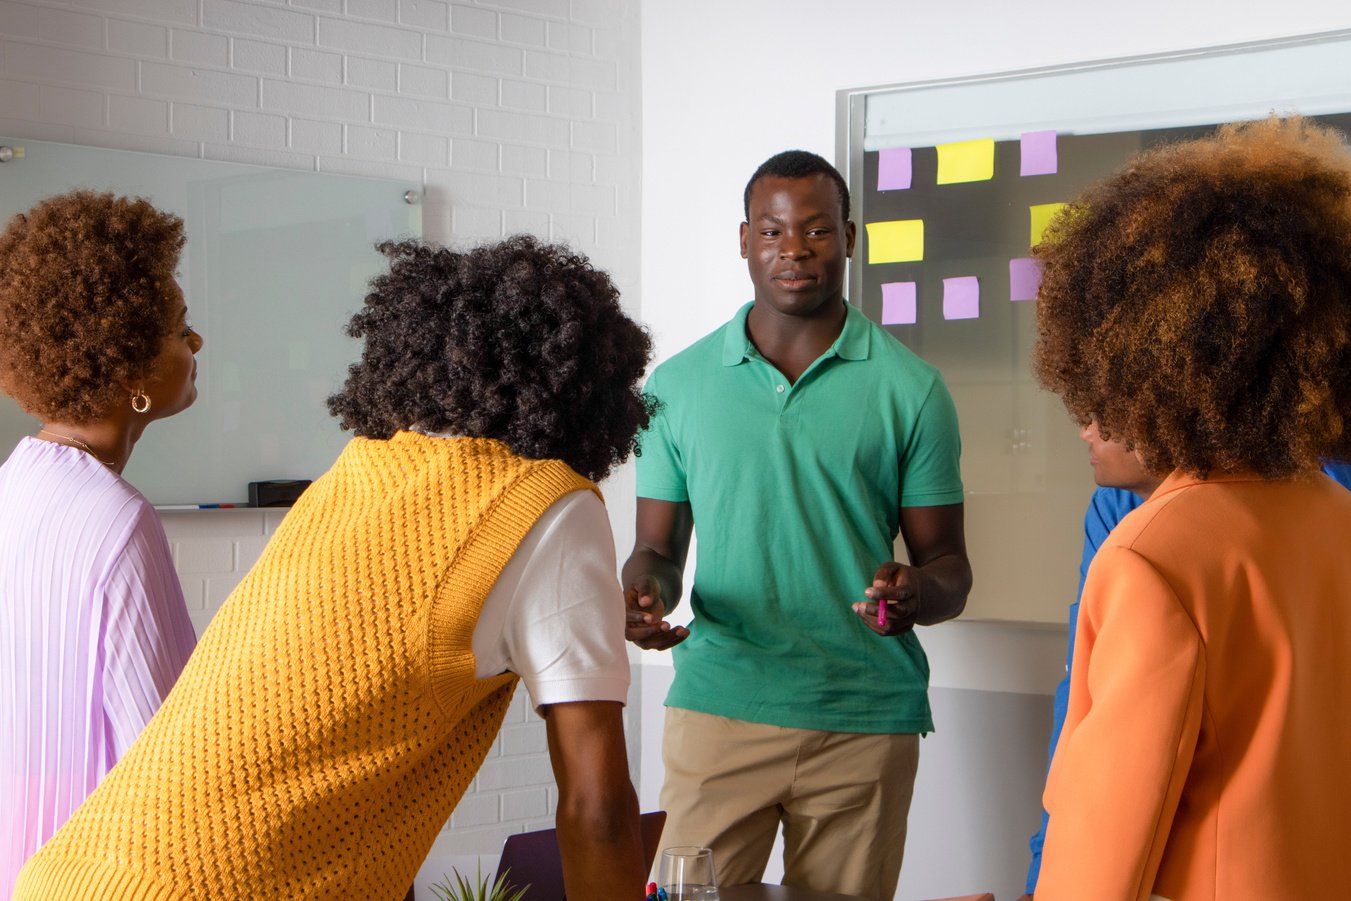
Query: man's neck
{"x": 792, "y": 343}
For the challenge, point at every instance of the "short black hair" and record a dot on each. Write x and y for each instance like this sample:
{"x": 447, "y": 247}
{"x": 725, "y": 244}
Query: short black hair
{"x": 520, "y": 341}
{"x": 798, "y": 164}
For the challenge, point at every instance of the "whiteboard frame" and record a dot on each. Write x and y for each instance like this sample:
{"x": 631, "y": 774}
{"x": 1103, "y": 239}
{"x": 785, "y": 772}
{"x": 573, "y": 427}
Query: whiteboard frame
{"x": 851, "y": 103}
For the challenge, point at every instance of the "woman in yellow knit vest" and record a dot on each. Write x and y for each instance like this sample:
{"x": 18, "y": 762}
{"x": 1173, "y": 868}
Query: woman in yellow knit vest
{"x": 345, "y": 695}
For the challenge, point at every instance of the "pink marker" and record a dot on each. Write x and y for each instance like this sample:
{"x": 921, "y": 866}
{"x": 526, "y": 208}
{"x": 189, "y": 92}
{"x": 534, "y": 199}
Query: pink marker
{"x": 881, "y": 613}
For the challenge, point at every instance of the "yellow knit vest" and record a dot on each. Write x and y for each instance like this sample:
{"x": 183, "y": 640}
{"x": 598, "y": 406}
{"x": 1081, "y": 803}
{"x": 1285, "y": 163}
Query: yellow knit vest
{"x": 330, "y": 718}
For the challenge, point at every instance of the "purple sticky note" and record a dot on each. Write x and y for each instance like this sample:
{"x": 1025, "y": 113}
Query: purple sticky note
{"x": 961, "y": 297}
{"x": 1024, "y": 278}
{"x": 898, "y": 303}
{"x": 893, "y": 169}
{"x": 1039, "y": 153}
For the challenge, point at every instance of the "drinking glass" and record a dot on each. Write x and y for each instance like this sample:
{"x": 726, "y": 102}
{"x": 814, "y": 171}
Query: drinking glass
{"x": 687, "y": 874}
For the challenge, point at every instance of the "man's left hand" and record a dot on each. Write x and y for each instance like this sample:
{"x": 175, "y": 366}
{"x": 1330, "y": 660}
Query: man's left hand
{"x": 899, "y": 588}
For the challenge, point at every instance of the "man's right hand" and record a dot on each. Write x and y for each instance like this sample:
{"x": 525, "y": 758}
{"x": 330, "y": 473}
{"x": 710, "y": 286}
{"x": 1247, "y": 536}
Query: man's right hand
{"x": 644, "y": 625}
{"x": 659, "y": 548}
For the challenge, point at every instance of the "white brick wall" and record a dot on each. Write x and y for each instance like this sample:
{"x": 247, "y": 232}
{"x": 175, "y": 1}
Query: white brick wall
{"x": 516, "y": 115}
{"x": 469, "y": 98}
{"x": 213, "y": 549}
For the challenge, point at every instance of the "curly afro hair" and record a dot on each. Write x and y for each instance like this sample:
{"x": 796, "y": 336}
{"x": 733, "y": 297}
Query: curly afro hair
{"x": 1198, "y": 303}
{"x": 520, "y": 341}
{"x": 83, "y": 305}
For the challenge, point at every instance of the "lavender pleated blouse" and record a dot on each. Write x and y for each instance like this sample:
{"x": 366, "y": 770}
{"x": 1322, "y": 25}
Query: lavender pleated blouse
{"x": 93, "y": 633}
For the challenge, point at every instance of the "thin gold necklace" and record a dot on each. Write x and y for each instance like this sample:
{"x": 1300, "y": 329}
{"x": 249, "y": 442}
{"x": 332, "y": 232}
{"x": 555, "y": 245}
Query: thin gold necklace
{"x": 78, "y": 443}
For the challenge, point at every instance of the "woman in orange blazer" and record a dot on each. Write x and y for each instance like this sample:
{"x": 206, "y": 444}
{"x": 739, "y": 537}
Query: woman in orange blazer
{"x": 1197, "y": 305}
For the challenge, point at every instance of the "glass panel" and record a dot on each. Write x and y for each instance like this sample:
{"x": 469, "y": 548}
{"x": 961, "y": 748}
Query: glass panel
{"x": 276, "y": 263}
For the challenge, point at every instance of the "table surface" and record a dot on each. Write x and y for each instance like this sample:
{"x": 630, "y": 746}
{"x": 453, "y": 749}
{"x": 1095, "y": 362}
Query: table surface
{"x": 778, "y": 893}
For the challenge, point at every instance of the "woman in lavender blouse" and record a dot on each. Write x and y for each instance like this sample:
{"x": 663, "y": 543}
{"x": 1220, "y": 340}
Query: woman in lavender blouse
{"x": 95, "y": 343}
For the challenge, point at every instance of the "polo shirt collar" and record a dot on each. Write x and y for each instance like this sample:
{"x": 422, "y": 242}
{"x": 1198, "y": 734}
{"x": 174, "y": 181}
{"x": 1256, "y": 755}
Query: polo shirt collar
{"x": 852, "y": 343}
{"x": 736, "y": 344}
{"x": 854, "y": 339}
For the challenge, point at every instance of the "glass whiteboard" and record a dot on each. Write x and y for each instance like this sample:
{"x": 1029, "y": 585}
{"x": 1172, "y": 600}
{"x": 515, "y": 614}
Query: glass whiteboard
{"x": 276, "y": 263}
{"x": 1013, "y": 144}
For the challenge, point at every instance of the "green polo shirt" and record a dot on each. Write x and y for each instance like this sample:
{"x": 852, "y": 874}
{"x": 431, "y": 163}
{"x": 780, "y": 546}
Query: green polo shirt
{"x": 795, "y": 491}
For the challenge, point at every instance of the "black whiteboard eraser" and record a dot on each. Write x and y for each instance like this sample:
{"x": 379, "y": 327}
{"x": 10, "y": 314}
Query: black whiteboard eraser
{"x": 276, "y": 492}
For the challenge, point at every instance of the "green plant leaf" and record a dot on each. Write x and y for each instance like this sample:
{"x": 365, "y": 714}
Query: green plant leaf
{"x": 479, "y": 890}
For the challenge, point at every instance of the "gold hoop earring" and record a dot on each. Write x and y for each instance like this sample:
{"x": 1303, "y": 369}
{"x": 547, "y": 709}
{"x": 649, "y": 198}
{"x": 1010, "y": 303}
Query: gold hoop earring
{"x": 140, "y": 401}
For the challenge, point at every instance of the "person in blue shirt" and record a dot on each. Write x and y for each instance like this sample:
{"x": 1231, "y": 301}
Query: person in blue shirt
{"x": 1124, "y": 484}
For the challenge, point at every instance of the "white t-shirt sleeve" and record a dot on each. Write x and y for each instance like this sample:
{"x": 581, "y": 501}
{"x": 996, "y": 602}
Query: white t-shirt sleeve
{"x": 555, "y": 616}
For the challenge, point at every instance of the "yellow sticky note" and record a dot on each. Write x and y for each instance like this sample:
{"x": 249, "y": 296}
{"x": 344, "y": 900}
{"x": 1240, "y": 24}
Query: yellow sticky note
{"x": 966, "y": 161}
{"x": 1042, "y": 214}
{"x": 898, "y": 241}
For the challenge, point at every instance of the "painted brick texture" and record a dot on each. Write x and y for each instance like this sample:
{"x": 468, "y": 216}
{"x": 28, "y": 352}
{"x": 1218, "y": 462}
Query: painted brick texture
{"x": 312, "y": 83}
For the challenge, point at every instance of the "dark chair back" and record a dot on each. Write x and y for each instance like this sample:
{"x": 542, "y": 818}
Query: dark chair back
{"x": 533, "y": 858}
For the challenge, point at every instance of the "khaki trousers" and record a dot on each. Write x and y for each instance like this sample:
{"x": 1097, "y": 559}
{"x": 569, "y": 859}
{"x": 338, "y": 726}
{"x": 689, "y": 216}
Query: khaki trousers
{"x": 842, "y": 799}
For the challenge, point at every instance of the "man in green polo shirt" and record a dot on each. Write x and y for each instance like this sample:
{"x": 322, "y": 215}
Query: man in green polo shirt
{"x": 799, "y": 439}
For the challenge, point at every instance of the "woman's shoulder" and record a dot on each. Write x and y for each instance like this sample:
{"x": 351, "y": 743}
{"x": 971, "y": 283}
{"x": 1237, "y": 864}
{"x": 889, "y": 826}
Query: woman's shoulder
{"x": 42, "y": 475}
{"x": 1228, "y": 512}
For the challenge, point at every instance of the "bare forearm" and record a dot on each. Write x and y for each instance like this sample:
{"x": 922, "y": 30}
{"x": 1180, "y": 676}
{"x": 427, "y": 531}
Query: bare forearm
{"x": 602, "y": 846}
{"x": 947, "y": 582}
{"x": 597, "y": 810}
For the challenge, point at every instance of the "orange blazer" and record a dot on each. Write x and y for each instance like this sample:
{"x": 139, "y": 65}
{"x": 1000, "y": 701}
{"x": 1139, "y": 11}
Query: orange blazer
{"x": 1206, "y": 752}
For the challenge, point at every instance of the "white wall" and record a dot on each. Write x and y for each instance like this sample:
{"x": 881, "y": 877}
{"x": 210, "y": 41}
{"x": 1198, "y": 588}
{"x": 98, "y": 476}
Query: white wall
{"x": 727, "y": 84}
